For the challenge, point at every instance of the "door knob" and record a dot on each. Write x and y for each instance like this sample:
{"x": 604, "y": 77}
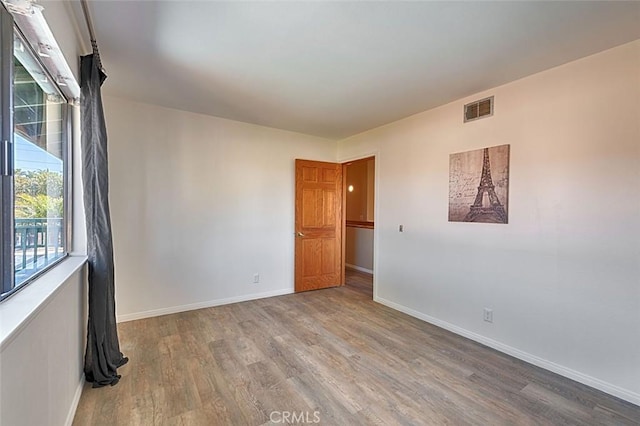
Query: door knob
{"x": 300, "y": 234}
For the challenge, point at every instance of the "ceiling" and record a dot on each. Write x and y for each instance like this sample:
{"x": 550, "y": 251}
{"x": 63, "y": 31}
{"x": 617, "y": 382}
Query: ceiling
{"x": 334, "y": 69}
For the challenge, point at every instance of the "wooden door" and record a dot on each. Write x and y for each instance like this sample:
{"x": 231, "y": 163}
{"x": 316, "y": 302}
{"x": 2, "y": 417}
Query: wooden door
{"x": 318, "y": 258}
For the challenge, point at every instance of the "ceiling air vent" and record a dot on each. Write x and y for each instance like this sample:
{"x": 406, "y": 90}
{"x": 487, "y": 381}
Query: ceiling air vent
{"x": 478, "y": 109}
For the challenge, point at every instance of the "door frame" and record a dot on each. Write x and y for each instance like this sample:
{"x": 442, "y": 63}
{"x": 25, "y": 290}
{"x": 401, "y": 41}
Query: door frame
{"x": 376, "y": 205}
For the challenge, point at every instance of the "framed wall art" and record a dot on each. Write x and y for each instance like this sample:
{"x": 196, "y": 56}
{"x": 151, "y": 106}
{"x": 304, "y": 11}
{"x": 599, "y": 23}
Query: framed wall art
{"x": 479, "y": 185}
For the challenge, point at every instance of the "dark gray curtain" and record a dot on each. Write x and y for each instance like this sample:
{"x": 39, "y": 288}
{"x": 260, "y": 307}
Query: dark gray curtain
{"x": 102, "y": 357}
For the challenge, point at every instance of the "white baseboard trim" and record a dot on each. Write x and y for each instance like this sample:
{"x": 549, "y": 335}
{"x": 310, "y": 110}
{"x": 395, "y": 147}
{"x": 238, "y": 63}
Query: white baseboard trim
{"x": 75, "y": 402}
{"x": 359, "y": 268}
{"x": 200, "y": 305}
{"x": 606, "y": 387}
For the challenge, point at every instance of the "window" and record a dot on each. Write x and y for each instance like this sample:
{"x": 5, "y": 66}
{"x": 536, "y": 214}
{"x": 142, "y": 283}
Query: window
{"x": 35, "y": 166}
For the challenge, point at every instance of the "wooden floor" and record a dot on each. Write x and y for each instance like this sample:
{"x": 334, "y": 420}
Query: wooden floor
{"x": 334, "y": 356}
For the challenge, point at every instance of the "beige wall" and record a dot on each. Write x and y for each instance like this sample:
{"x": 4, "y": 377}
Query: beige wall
{"x": 371, "y": 193}
{"x": 357, "y": 199}
{"x": 563, "y": 276}
{"x": 360, "y": 202}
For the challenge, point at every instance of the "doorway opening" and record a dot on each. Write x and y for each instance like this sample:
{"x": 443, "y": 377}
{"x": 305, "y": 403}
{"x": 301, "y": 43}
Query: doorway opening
{"x": 359, "y": 200}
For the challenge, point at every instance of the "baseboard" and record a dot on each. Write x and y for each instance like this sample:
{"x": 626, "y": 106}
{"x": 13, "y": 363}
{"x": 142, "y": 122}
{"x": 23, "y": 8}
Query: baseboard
{"x": 75, "y": 402}
{"x": 359, "y": 268}
{"x": 601, "y": 385}
{"x": 200, "y": 305}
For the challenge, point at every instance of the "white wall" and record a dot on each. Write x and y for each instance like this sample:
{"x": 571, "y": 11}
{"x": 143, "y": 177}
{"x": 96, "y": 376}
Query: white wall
{"x": 41, "y": 364}
{"x": 563, "y": 277}
{"x": 199, "y": 204}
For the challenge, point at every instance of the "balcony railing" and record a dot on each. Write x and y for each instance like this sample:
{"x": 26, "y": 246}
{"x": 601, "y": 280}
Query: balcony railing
{"x": 37, "y": 241}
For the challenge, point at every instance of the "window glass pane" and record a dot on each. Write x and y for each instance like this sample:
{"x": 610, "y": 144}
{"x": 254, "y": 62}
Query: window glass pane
{"x": 39, "y": 231}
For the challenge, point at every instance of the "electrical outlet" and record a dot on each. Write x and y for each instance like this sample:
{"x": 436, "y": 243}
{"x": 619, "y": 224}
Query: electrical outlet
{"x": 256, "y": 278}
{"x": 400, "y": 228}
{"x": 488, "y": 315}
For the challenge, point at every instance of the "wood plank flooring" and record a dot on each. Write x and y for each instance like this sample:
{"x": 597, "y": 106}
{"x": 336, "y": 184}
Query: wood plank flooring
{"x": 330, "y": 357}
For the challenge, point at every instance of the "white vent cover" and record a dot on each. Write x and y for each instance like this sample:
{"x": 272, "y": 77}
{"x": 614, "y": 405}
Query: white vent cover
{"x": 478, "y": 109}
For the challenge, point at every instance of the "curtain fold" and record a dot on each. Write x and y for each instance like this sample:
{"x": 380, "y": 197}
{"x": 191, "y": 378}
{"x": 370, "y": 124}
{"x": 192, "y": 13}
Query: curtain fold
{"x": 102, "y": 356}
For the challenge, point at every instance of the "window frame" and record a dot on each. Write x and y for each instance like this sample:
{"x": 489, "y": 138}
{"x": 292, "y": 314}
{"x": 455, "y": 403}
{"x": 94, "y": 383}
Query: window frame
{"x": 8, "y": 32}
{"x": 6, "y": 164}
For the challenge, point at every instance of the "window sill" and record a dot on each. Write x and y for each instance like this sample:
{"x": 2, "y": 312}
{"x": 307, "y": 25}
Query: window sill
{"x": 20, "y": 309}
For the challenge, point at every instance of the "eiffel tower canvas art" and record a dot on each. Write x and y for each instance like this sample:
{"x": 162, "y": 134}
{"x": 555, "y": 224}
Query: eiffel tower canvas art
{"x": 479, "y": 185}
